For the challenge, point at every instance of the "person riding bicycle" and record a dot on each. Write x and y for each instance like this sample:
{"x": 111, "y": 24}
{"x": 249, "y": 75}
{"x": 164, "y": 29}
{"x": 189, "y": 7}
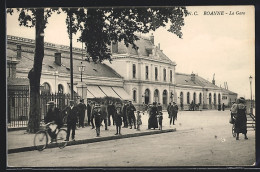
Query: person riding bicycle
{"x": 54, "y": 120}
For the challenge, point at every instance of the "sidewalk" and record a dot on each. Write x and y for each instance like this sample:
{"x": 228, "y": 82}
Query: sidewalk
{"x": 20, "y": 141}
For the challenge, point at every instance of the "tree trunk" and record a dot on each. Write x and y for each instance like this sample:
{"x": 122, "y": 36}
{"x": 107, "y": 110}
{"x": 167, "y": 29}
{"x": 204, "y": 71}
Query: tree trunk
{"x": 35, "y": 74}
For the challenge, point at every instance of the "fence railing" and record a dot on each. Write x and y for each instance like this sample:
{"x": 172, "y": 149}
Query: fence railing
{"x": 19, "y": 105}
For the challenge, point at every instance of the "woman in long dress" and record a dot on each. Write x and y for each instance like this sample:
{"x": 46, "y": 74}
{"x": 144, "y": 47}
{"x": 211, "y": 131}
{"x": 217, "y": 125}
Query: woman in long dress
{"x": 241, "y": 120}
{"x": 152, "y": 122}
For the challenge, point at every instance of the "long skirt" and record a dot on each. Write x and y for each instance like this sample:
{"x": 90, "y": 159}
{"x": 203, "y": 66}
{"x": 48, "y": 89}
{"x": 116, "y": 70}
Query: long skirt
{"x": 240, "y": 125}
{"x": 152, "y": 122}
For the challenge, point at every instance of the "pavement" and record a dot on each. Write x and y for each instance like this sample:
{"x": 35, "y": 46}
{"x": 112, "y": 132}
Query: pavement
{"x": 20, "y": 140}
{"x": 202, "y": 138}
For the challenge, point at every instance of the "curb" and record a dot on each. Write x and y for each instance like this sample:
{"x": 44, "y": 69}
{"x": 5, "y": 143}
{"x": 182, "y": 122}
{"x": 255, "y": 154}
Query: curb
{"x": 93, "y": 140}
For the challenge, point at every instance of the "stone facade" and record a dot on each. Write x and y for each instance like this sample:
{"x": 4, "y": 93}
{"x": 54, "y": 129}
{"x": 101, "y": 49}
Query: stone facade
{"x": 146, "y": 75}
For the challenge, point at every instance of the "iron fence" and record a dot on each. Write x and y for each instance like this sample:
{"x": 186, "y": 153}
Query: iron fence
{"x": 19, "y": 105}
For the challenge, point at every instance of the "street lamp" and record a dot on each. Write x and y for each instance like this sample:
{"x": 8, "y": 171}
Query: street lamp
{"x": 250, "y": 80}
{"x": 81, "y": 69}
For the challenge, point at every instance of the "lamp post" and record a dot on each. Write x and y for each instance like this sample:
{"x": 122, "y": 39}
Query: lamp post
{"x": 71, "y": 58}
{"x": 55, "y": 75}
{"x": 250, "y": 80}
{"x": 81, "y": 69}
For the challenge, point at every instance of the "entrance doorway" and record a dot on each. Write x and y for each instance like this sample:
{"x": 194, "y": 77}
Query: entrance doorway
{"x": 165, "y": 97}
{"x": 147, "y": 96}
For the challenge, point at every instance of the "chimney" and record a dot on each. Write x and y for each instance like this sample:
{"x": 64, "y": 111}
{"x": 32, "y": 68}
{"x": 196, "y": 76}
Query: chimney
{"x": 57, "y": 58}
{"x": 159, "y": 46}
{"x": 19, "y": 51}
{"x": 152, "y": 38}
{"x": 193, "y": 77}
{"x": 213, "y": 80}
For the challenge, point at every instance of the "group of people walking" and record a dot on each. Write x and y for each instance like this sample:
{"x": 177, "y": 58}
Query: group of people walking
{"x": 172, "y": 110}
{"x": 121, "y": 114}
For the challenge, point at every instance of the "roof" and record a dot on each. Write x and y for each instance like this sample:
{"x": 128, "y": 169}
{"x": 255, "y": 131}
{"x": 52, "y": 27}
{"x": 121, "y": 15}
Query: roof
{"x": 185, "y": 79}
{"x": 145, "y": 45}
{"x": 227, "y": 91}
{"x": 91, "y": 68}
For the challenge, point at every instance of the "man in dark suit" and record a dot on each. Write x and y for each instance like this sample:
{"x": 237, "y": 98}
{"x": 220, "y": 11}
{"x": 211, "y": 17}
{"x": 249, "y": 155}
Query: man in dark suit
{"x": 81, "y": 112}
{"x": 125, "y": 115}
{"x": 111, "y": 112}
{"x": 89, "y": 112}
{"x": 72, "y": 112}
{"x": 104, "y": 114}
{"x": 53, "y": 115}
{"x": 131, "y": 115}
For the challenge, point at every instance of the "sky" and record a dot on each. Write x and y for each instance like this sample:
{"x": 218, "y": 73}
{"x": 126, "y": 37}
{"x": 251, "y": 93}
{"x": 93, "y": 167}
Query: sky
{"x": 223, "y": 45}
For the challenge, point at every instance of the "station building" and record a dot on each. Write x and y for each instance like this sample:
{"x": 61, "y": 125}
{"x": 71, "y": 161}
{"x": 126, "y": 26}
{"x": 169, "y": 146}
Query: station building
{"x": 144, "y": 76}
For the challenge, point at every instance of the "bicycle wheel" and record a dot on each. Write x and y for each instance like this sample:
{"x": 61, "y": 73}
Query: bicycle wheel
{"x": 233, "y": 131}
{"x": 40, "y": 140}
{"x": 61, "y": 136}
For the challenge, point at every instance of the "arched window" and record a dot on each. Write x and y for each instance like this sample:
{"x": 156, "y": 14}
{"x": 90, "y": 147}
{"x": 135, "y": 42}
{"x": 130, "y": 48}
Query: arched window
{"x": 171, "y": 75}
{"x": 156, "y": 73}
{"x": 134, "y": 71}
{"x": 200, "y": 98}
{"x": 194, "y": 97}
{"x": 219, "y": 99}
{"x": 181, "y": 97}
{"x": 164, "y": 74}
{"x": 46, "y": 88}
{"x": 156, "y": 96}
{"x": 147, "y": 96}
{"x": 60, "y": 89}
{"x": 215, "y": 99}
{"x": 188, "y": 98}
{"x": 146, "y": 72}
{"x": 210, "y": 98}
{"x": 134, "y": 95}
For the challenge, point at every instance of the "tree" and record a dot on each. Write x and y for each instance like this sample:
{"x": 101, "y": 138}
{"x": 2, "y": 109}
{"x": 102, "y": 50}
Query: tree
{"x": 99, "y": 27}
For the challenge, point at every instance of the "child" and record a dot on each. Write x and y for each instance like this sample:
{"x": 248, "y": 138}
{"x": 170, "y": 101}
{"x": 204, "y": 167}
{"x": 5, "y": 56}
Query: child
{"x": 97, "y": 115}
{"x": 160, "y": 118}
{"x": 139, "y": 121}
{"x": 118, "y": 120}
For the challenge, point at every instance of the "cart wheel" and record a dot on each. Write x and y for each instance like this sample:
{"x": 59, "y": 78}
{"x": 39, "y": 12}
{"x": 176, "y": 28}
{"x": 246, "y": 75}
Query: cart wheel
{"x": 40, "y": 140}
{"x": 61, "y": 136}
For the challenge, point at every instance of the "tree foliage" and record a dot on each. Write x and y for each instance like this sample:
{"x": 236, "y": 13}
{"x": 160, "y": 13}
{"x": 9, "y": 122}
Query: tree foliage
{"x": 101, "y": 26}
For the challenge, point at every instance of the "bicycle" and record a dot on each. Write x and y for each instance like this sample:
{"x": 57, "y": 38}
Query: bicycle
{"x": 41, "y": 138}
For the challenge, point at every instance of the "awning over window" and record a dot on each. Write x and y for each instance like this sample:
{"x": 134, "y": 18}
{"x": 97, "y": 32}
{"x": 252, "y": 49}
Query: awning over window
{"x": 96, "y": 92}
{"x": 109, "y": 91}
{"x": 89, "y": 94}
{"x": 122, "y": 93}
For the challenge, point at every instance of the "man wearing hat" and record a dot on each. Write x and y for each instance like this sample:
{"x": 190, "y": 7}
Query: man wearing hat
{"x": 53, "y": 115}
{"x": 131, "y": 115}
{"x": 175, "y": 111}
{"x": 96, "y": 114}
{"x": 72, "y": 112}
{"x": 89, "y": 112}
{"x": 125, "y": 115}
{"x": 81, "y": 112}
